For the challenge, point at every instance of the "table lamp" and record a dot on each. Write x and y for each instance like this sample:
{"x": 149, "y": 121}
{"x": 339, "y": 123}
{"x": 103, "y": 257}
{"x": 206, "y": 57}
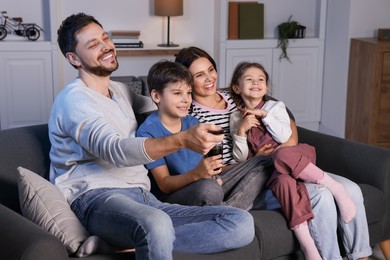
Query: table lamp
{"x": 168, "y": 8}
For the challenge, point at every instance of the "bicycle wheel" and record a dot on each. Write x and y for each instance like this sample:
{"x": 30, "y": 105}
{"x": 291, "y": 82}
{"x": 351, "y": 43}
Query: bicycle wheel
{"x": 32, "y": 33}
{"x": 3, "y": 32}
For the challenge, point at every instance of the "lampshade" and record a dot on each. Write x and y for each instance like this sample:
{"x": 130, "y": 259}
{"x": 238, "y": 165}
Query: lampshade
{"x": 168, "y": 7}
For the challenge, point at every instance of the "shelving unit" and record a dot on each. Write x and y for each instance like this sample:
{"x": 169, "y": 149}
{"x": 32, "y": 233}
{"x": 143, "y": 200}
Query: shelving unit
{"x": 27, "y": 68}
{"x": 148, "y": 50}
{"x": 34, "y": 72}
{"x": 298, "y": 84}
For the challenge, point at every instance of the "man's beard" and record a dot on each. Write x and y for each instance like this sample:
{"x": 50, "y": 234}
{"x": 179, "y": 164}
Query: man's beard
{"x": 100, "y": 70}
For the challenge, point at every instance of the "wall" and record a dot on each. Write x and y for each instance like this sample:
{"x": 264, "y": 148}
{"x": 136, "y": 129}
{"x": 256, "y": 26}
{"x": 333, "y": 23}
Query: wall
{"x": 346, "y": 19}
{"x": 190, "y": 29}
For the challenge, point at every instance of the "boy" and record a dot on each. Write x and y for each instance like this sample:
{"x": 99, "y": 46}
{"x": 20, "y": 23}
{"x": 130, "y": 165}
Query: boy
{"x": 170, "y": 84}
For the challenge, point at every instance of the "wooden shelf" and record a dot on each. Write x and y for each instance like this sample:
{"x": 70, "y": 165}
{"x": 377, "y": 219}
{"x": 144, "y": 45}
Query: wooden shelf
{"x": 148, "y": 51}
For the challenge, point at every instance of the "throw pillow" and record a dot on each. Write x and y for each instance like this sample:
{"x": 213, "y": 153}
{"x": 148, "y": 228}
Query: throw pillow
{"x": 42, "y": 203}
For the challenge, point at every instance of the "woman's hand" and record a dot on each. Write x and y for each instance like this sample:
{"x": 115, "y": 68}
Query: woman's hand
{"x": 265, "y": 150}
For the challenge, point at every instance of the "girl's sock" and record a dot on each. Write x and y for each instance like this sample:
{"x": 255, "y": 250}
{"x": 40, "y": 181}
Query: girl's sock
{"x": 343, "y": 199}
{"x": 347, "y": 207}
{"x": 308, "y": 246}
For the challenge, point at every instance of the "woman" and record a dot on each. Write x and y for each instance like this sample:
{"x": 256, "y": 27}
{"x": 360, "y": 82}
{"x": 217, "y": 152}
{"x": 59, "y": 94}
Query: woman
{"x": 210, "y": 105}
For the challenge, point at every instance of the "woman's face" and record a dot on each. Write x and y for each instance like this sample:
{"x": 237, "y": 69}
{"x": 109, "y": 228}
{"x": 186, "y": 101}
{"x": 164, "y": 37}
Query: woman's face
{"x": 205, "y": 77}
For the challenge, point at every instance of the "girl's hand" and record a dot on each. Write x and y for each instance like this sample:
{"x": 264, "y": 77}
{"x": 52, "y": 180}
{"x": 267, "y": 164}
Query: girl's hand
{"x": 257, "y": 112}
{"x": 247, "y": 123}
{"x": 208, "y": 167}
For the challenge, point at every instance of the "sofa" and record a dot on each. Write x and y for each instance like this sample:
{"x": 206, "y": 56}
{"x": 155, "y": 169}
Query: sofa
{"x": 29, "y": 146}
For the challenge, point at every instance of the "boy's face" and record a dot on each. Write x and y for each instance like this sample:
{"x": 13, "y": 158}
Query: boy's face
{"x": 175, "y": 100}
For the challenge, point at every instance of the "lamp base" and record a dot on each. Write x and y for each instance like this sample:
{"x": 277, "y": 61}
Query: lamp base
{"x": 168, "y": 45}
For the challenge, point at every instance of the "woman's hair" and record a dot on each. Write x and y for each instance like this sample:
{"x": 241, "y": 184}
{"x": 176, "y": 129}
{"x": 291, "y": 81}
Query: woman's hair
{"x": 238, "y": 73}
{"x": 187, "y": 56}
{"x": 167, "y": 72}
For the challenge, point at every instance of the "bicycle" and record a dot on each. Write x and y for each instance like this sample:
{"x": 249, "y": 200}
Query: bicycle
{"x": 14, "y": 24}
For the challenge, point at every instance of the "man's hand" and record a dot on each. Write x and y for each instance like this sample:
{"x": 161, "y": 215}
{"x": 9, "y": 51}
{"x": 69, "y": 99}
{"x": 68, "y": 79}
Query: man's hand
{"x": 199, "y": 139}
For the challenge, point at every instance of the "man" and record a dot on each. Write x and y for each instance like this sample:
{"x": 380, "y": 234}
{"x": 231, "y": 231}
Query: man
{"x": 97, "y": 163}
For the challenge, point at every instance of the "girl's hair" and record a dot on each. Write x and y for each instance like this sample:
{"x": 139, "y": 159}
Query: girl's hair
{"x": 237, "y": 74}
{"x": 187, "y": 56}
{"x": 167, "y": 72}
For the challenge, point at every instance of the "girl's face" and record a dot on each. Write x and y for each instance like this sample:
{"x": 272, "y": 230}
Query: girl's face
{"x": 205, "y": 77}
{"x": 252, "y": 85}
{"x": 174, "y": 101}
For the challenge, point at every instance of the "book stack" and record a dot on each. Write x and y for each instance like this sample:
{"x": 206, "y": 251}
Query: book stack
{"x": 126, "y": 39}
{"x": 246, "y": 20}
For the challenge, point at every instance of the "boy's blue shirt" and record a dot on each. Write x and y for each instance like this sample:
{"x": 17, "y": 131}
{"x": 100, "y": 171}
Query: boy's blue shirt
{"x": 178, "y": 162}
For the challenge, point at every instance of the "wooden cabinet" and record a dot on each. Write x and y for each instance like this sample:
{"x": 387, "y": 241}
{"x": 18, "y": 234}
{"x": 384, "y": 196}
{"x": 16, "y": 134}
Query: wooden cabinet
{"x": 368, "y": 102}
{"x": 298, "y": 83}
{"x": 29, "y": 69}
{"x": 26, "y": 88}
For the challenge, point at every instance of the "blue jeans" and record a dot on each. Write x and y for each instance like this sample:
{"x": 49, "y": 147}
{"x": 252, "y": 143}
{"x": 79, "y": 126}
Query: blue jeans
{"x": 323, "y": 227}
{"x": 133, "y": 217}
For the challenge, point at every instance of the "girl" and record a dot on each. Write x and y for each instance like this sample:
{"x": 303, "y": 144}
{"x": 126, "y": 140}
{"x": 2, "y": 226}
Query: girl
{"x": 268, "y": 123}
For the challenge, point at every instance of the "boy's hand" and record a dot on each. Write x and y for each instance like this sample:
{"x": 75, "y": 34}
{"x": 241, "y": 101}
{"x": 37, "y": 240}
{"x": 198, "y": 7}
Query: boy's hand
{"x": 208, "y": 167}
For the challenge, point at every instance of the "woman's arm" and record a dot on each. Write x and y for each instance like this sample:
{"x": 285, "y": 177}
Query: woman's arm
{"x": 266, "y": 150}
{"x": 240, "y": 145}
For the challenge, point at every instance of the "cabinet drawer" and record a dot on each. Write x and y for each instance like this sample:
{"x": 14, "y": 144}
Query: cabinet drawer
{"x": 386, "y": 67}
{"x": 384, "y": 103}
{"x": 384, "y": 128}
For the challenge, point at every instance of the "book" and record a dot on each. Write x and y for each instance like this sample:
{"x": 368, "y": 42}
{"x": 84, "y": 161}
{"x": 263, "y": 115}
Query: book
{"x": 125, "y": 40}
{"x": 251, "y": 20}
{"x": 129, "y": 45}
{"x": 124, "y": 34}
{"x": 233, "y": 19}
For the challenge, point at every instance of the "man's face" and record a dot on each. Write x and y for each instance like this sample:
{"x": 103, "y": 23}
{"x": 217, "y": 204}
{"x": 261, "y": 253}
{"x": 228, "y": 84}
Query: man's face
{"x": 95, "y": 52}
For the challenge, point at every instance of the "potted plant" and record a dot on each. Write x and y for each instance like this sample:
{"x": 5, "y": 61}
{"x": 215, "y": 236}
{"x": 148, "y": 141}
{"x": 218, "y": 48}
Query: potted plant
{"x": 286, "y": 30}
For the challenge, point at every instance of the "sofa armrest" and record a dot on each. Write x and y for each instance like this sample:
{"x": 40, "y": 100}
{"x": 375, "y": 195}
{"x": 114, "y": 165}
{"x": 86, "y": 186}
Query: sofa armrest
{"x": 361, "y": 163}
{"x": 358, "y": 162}
{"x": 22, "y": 239}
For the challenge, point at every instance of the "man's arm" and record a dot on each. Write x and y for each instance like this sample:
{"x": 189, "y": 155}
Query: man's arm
{"x": 197, "y": 138}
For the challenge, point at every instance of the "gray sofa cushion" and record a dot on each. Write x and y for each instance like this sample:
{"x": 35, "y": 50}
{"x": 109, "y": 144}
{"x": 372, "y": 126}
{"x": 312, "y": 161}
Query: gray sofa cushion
{"x": 42, "y": 203}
